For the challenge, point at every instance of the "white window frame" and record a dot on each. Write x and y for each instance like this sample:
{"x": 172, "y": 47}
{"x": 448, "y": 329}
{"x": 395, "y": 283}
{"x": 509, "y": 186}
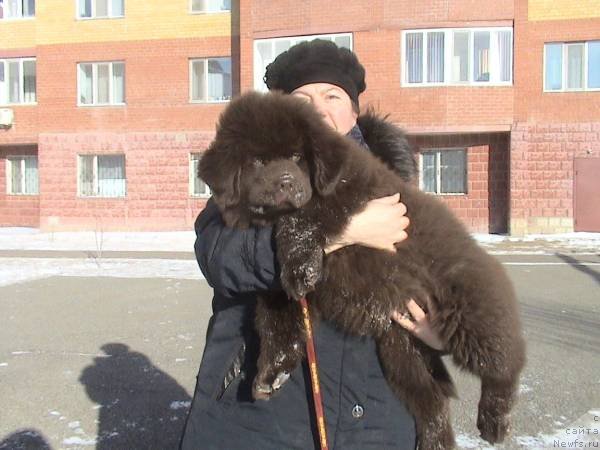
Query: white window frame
{"x": 9, "y": 167}
{"x": 93, "y": 16}
{"x": 19, "y": 15}
{"x": 95, "y": 181}
{"x": 193, "y": 176}
{"x": 205, "y": 93}
{"x": 448, "y": 47}
{"x": 4, "y": 96}
{"x": 259, "y": 70}
{"x": 95, "y": 65}
{"x": 194, "y": 11}
{"x": 438, "y": 170}
{"x": 565, "y": 67}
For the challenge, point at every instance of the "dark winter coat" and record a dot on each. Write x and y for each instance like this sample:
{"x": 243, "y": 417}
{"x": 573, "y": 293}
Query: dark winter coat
{"x": 360, "y": 409}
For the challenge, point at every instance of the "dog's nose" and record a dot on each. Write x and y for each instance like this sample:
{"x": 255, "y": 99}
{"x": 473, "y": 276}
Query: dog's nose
{"x": 285, "y": 181}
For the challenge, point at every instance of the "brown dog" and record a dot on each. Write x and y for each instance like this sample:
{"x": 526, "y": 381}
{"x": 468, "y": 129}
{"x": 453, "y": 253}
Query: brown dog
{"x": 273, "y": 161}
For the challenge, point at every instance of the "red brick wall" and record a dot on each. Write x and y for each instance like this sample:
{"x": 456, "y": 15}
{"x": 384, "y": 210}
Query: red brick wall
{"x": 17, "y": 210}
{"x": 484, "y": 207}
{"x": 157, "y": 86}
{"x": 542, "y": 173}
{"x": 377, "y": 41}
{"x": 157, "y": 181}
{"x": 531, "y": 103}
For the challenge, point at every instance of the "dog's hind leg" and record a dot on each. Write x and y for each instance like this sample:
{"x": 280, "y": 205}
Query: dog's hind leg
{"x": 280, "y": 327}
{"x": 419, "y": 378}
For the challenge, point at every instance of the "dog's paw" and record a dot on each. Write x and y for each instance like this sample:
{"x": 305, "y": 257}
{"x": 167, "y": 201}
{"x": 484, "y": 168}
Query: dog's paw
{"x": 493, "y": 426}
{"x": 262, "y": 390}
{"x": 299, "y": 278}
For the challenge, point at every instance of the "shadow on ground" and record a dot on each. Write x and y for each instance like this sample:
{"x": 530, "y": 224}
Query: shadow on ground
{"x": 26, "y": 439}
{"x": 140, "y": 406}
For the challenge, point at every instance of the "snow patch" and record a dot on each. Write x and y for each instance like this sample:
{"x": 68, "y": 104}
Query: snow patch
{"x": 76, "y": 440}
{"x": 180, "y": 404}
{"x": 15, "y": 270}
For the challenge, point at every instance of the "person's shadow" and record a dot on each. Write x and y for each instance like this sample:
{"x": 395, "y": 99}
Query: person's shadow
{"x": 140, "y": 405}
{"x": 27, "y": 439}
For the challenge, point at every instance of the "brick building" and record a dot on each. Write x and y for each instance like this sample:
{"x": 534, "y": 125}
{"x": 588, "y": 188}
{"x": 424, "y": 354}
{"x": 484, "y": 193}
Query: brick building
{"x": 114, "y": 101}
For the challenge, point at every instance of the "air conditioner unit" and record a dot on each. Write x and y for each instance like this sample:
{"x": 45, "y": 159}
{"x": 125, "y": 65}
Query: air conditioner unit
{"x": 7, "y": 117}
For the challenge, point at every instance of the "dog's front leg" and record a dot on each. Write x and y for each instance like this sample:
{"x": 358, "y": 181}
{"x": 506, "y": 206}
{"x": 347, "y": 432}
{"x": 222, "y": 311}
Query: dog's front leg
{"x": 280, "y": 327}
{"x": 300, "y": 253}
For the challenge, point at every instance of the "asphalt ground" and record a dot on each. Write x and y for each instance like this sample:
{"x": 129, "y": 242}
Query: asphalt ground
{"x": 110, "y": 362}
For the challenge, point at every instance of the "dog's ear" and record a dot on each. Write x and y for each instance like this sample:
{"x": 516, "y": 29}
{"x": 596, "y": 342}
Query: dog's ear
{"x": 221, "y": 170}
{"x": 328, "y": 154}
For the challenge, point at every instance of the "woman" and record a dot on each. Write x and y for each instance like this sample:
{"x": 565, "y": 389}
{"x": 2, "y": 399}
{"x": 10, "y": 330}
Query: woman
{"x": 360, "y": 410}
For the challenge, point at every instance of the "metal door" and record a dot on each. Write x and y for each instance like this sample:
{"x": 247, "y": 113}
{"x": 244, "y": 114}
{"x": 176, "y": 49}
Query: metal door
{"x": 587, "y": 194}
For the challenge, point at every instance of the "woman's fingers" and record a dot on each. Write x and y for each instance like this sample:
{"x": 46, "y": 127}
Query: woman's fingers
{"x": 415, "y": 310}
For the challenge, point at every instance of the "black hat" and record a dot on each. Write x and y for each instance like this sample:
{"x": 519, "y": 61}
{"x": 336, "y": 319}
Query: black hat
{"x": 317, "y": 61}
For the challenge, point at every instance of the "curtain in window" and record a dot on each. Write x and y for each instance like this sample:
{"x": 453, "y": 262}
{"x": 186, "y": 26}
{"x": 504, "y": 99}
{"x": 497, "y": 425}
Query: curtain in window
{"x": 414, "y": 57}
{"x": 16, "y": 176}
{"x": 85, "y": 8}
{"x": 435, "y": 57}
{"x": 594, "y": 64}
{"x": 117, "y": 8}
{"x": 29, "y": 8}
{"x": 14, "y": 84}
{"x": 198, "y": 81}
{"x": 31, "y": 176}
{"x": 219, "y": 79}
{"x": 481, "y": 66}
{"x": 86, "y": 175}
{"x": 460, "y": 57}
{"x": 429, "y": 181}
{"x": 452, "y": 171}
{"x": 101, "y": 8}
{"x": 103, "y": 83}
{"x": 29, "y": 81}
{"x": 86, "y": 84}
{"x": 12, "y": 8}
{"x": 505, "y": 54}
{"x": 111, "y": 175}
{"x": 554, "y": 66}
{"x": 2, "y": 84}
{"x": 575, "y": 66}
{"x": 118, "y": 82}
{"x": 343, "y": 41}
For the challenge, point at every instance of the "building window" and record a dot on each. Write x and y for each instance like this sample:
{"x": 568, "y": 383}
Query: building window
{"x": 450, "y": 57}
{"x": 22, "y": 175}
{"x": 17, "y": 81}
{"x": 17, "y": 9}
{"x": 101, "y": 83}
{"x": 210, "y": 80}
{"x": 572, "y": 66}
{"x": 204, "y": 6}
{"x": 266, "y": 50}
{"x": 444, "y": 171}
{"x": 100, "y": 9}
{"x": 198, "y": 188}
{"x": 101, "y": 176}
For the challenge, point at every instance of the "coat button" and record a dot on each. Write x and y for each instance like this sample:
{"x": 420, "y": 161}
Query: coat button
{"x": 357, "y": 411}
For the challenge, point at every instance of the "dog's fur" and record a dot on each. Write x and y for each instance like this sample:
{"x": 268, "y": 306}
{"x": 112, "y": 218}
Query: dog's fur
{"x": 273, "y": 161}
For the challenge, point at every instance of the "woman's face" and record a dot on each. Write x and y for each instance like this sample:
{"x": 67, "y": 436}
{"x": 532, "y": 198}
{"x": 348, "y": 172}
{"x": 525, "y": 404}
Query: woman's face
{"x": 332, "y": 102}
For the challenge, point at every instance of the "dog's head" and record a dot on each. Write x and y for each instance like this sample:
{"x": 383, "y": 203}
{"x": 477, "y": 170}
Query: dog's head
{"x": 271, "y": 154}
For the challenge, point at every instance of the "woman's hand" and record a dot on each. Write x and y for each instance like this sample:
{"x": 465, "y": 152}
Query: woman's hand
{"x": 380, "y": 225}
{"x": 420, "y": 326}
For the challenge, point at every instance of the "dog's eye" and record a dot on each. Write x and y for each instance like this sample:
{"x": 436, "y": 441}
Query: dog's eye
{"x": 296, "y": 157}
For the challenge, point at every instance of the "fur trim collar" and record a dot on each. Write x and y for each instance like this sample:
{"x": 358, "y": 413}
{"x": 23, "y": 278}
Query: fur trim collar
{"x": 389, "y": 143}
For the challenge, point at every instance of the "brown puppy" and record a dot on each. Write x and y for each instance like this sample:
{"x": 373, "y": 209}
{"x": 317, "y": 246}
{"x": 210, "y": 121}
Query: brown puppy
{"x": 274, "y": 161}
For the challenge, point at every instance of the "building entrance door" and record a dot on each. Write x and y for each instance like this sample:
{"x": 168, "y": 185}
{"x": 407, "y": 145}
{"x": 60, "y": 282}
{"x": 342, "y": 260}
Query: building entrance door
{"x": 586, "y": 194}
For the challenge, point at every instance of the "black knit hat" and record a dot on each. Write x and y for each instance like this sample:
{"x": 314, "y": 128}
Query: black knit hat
{"x": 317, "y": 61}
